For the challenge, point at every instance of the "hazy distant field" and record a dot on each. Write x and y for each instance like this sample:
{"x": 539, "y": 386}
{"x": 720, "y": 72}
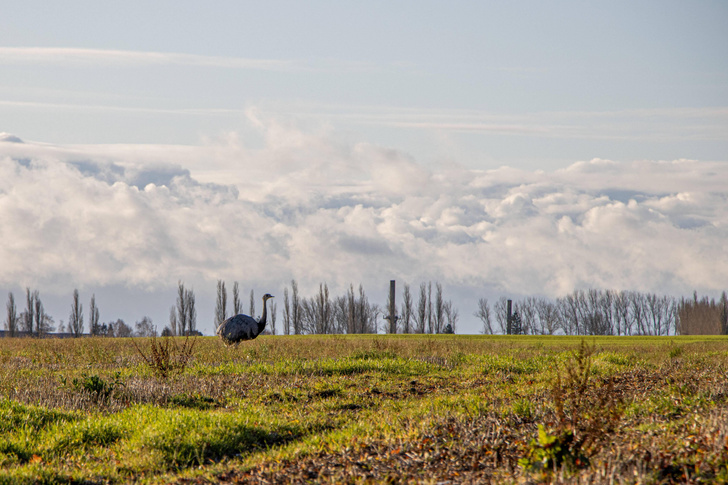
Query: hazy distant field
{"x": 368, "y": 408}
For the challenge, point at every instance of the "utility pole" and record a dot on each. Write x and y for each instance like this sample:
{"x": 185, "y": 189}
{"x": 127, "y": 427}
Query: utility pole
{"x": 509, "y": 317}
{"x": 392, "y": 317}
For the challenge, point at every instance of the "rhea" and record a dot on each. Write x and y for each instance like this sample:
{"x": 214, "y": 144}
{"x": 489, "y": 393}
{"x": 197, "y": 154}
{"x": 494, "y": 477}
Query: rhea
{"x": 243, "y": 327}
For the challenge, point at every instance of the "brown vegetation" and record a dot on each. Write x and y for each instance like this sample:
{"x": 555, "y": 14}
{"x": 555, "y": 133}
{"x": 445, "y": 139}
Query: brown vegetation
{"x": 402, "y": 409}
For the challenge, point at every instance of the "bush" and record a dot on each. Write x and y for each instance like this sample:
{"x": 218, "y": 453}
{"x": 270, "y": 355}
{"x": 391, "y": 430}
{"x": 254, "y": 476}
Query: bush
{"x": 166, "y": 358}
{"x": 585, "y": 414}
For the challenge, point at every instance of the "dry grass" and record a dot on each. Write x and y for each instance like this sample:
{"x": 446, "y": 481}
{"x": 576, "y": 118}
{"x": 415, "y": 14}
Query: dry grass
{"x": 166, "y": 358}
{"x": 338, "y": 409}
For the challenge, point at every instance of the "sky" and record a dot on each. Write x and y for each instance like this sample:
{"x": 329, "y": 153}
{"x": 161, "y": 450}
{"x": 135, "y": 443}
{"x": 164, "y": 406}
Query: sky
{"x": 500, "y": 148}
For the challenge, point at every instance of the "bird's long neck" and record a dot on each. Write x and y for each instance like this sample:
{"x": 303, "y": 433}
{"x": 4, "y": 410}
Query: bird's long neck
{"x": 263, "y": 317}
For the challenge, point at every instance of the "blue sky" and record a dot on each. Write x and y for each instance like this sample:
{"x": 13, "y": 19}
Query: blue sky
{"x": 492, "y": 82}
{"x": 403, "y": 109}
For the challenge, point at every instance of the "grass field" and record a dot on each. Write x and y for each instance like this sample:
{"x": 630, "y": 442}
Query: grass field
{"x": 367, "y": 409}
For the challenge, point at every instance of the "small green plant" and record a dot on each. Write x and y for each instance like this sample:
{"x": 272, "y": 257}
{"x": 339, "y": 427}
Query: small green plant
{"x": 95, "y": 386}
{"x": 550, "y": 451}
{"x": 585, "y": 414}
{"x": 675, "y": 351}
{"x": 523, "y": 408}
{"x": 167, "y": 358}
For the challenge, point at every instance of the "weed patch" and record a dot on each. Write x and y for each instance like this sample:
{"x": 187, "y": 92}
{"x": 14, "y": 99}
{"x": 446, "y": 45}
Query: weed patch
{"x": 585, "y": 413}
{"x": 94, "y": 386}
{"x": 166, "y": 358}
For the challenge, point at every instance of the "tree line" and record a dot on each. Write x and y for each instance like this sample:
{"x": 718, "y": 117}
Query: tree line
{"x": 351, "y": 313}
{"x": 608, "y": 312}
{"x": 34, "y": 321}
{"x": 582, "y": 312}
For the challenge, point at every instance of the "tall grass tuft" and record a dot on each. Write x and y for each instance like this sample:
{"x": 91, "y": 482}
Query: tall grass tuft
{"x": 166, "y": 358}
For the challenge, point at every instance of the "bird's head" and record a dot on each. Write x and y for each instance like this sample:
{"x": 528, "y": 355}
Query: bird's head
{"x": 267, "y": 297}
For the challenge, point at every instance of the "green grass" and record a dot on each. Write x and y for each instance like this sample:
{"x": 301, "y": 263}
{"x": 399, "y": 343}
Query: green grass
{"x": 357, "y": 408}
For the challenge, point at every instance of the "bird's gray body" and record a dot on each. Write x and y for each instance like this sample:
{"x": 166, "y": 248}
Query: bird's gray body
{"x": 238, "y": 328}
{"x": 243, "y": 327}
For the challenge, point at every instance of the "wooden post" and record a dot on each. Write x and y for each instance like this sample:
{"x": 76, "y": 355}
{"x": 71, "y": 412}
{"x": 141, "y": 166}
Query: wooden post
{"x": 509, "y": 317}
{"x": 392, "y": 308}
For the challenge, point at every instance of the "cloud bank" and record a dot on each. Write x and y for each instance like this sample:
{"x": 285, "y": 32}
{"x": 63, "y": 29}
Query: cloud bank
{"x": 308, "y": 207}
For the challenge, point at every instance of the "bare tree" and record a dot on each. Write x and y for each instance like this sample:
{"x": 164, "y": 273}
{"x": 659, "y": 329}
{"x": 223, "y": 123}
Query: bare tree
{"x": 364, "y": 322}
{"x": 353, "y": 319}
{"x": 93, "y": 317}
{"x": 252, "y": 303}
{"x": 182, "y": 313}
{"x": 699, "y": 316}
{"x": 528, "y": 311}
{"x": 286, "y": 313}
{"x": 600, "y": 310}
{"x": 12, "y": 320}
{"x": 220, "y": 304}
{"x": 75, "y": 319}
{"x": 569, "y": 314}
{"x": 500, "y": 309}
{"x": 430, "y": 318}
{"x": 637, "y": 301}
{"x": 452, "y": 315}
{"x": 39, "y": 315}
{"x": 607, "y": 304}
{"x": 43, "y": 321}
{"x": 173, "y": 320}
{"x": 622, "y": 316}
{"x": 483, "y": 313}
{"x": 422, "y": 305}
{"x": 296, "y": 317}
{"x": 355, "y": 314}
{"x": 439, "y": 309}
{"x": 318, "y": 312}
{"x": 406, "y": 309}
{"x": 273, "y": 317}
{"x": 145, "y": 328}
{"x": 367, "y": 313}
{"x": 237, "y": 304}
{"x": 121, "y": 329}
{"x": 350, "y": 311}
{"x": 548, "y": 317}
{"x": 659, "y": 314}
{"x": 29, "y": 313}
{"x": 191, "y": 311}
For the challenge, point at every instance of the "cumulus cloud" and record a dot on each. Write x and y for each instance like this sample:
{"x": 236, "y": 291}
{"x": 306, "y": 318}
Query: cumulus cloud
{"x": 308, "y": 207}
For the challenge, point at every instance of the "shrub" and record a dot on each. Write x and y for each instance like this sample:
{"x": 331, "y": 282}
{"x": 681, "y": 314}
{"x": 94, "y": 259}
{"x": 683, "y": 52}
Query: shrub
{"x": 585, "y": 414}
{"x": 167, "y": 358}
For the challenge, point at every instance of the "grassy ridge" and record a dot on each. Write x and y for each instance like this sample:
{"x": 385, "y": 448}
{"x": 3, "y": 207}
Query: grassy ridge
{"x": 352, "y": 408}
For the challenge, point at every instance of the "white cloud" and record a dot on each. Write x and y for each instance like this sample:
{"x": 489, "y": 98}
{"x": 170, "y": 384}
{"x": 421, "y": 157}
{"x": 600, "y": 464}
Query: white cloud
{"x": 122, "y": 58}
{"x": 308, "y": 207}
{"x": 116, "y": 58}
{"x": 653, "y": 125}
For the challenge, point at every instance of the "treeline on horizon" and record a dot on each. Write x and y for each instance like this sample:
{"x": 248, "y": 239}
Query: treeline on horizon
{"x": 582, "y": 312}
